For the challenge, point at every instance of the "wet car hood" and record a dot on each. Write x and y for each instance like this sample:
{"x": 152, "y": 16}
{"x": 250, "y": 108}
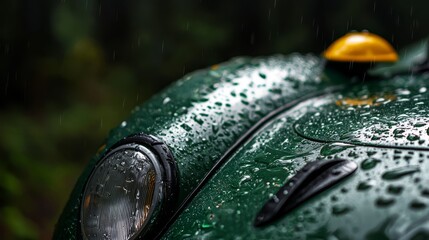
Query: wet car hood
{"x": 239, "y": 130}
{"x": 203, "y": 115}
{"x": 392, "y": 112}
{"x": 381, "y": 125}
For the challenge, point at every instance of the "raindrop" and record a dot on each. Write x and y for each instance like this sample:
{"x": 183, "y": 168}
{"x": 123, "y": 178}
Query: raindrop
{"x": 413, "y": 137}
{"x": 417, "y": 205}
{"x": 400, "y": 172}
{"x": 425, "y": 193}
{"x": 384, "y": 202}
{"x": 244, "y": 179}
{"x": 362, "y": 186}
{"x": 395, "y": 190}
{"x": 369, "y": 163}
{"x": 341, "y": 209}
{"x": 186, "y": 127}
{"x": 331, "y": 149}
{"x": 166, "y": 100}
{"x": 420, "y": 124}
{"x": 206, "y": 225}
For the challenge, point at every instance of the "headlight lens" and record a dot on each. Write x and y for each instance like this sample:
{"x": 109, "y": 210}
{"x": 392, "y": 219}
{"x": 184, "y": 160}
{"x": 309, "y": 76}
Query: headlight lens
{"x": 122, "y": 193}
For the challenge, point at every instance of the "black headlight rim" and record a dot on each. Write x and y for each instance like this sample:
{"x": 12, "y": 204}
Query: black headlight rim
{"x": 170, "y": 180}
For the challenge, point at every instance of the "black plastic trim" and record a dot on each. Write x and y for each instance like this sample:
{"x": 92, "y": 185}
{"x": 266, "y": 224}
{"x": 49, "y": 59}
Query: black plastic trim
{"x": 170, "y": 179}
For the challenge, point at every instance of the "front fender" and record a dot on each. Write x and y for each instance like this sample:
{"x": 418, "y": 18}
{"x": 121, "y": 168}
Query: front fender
{"x": 203, "y": 114}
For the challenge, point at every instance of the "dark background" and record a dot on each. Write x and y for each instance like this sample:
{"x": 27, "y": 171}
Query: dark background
{"x": 72, "y": 70}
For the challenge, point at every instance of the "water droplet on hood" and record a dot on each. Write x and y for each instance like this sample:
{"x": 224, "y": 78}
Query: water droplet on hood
{"x": 341, "y": 209}
{"x": 369, "y": 163}
{"x": 384, "y": 202}
{"x": 400, "y": 172}
{"x": 365, "y": 185}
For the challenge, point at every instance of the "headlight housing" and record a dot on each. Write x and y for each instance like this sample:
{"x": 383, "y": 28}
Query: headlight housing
{"x": 132, "y": 186}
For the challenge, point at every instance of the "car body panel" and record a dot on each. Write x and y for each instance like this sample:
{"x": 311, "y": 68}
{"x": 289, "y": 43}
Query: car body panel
{"x": 273, "y": 115}
{"x": 202, "y": 115}
{"x": 391, "y": 112}
{"x": 386, "y": 197}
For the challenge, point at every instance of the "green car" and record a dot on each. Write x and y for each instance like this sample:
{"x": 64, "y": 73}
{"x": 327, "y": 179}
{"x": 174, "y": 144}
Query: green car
{"x": 279, "y": 147}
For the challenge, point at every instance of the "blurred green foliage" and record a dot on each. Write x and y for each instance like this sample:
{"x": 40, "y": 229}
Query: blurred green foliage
{"x": 71, "y": 70}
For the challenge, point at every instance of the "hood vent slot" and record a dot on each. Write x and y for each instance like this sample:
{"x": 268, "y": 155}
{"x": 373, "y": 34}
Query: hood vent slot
{"x": 312, "y": 179}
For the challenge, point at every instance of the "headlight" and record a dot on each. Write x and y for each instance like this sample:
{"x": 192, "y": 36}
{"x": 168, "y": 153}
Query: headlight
{"x": 127, "y": 190}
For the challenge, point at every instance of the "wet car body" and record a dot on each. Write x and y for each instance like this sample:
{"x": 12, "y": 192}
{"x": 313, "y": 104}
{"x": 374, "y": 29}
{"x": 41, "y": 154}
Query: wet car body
{"x": 241, "y": 130}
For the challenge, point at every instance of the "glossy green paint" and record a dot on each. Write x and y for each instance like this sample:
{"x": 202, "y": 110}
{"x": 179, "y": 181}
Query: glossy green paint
{"x": 380, "y": 123}
{"x": 386, "y": 198}
{"x": 203, "y": 114}
{"x": 393, "y": 112}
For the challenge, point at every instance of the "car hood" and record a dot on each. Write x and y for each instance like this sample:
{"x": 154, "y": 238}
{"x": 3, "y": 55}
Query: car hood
{"x": 239, "y": 130}
{"x": 381, "y": 124}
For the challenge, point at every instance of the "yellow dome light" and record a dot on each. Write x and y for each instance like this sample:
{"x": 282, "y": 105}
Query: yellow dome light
{"x": 361, "y": 47}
